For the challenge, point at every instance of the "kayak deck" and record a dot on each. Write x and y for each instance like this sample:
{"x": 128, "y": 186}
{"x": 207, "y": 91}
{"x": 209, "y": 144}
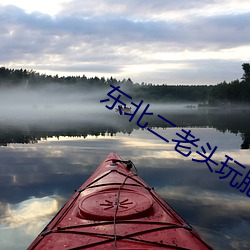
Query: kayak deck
{"x": 116, "y": 209}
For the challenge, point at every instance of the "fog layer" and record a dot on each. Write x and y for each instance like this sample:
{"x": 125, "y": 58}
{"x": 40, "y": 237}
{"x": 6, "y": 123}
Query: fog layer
{"x": 49, "y": 103}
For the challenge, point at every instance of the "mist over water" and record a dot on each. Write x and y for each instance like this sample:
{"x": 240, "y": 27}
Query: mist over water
{"x": 51, "y": 103}
{"x": 59, "y": 110}
{"x": 66, "y": 104}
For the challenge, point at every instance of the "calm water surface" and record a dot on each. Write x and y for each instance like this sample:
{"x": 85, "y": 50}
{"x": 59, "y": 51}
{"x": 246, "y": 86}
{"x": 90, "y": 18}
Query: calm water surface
{"x": 44, "y": 161}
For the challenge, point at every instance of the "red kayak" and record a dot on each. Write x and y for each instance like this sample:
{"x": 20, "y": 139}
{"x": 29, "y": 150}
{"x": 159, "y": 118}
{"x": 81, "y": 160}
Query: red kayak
{"x": 116, "y": 209}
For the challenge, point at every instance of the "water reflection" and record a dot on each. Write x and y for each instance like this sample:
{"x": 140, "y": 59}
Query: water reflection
{"x": 33, "y": 209}
{"x": 108, "y": 122}
{"x": 21, "y": 221}
{"x": 51, "y": 169}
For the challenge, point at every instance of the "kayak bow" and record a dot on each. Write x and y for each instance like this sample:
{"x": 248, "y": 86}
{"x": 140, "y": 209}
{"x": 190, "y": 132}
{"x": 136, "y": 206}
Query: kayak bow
{"x": 116, "y": 209}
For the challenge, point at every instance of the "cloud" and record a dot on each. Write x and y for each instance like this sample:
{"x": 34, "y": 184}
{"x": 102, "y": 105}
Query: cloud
{"x": 29, "y": 210}
{"x": 26, "y": 220}
{"x": 148, "y": 10}
{"x": 65, "y": 32}
{"x": 124, "y": 39}
{"x": 122, "y": 30}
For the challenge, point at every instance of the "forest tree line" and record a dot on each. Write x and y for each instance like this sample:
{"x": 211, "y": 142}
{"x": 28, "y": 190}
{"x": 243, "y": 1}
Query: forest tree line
{"x": 236, "y": 91}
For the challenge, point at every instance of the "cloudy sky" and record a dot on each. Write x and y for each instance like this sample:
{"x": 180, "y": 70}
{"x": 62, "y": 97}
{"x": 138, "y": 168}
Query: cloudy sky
{"x": 157, "y": 41}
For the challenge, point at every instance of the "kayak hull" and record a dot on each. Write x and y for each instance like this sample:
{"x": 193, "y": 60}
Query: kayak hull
{"x": 116, "y": 209}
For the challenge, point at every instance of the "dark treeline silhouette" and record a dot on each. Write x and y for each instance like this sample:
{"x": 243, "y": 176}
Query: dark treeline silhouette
{"x": 236, "y": 91}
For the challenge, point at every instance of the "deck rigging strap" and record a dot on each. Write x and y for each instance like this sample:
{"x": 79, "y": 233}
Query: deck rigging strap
{"x": 129, "y": 164}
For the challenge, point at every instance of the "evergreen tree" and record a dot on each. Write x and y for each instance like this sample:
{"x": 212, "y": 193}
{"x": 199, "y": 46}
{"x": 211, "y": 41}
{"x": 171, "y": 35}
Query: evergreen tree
{"x": 246, "y": 69}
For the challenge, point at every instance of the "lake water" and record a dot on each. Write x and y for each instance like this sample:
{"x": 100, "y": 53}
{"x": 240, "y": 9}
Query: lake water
{"x": 44, "y": 158}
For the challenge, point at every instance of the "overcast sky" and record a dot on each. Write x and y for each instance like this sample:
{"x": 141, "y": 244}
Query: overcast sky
{"x": 157, "y": 41}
